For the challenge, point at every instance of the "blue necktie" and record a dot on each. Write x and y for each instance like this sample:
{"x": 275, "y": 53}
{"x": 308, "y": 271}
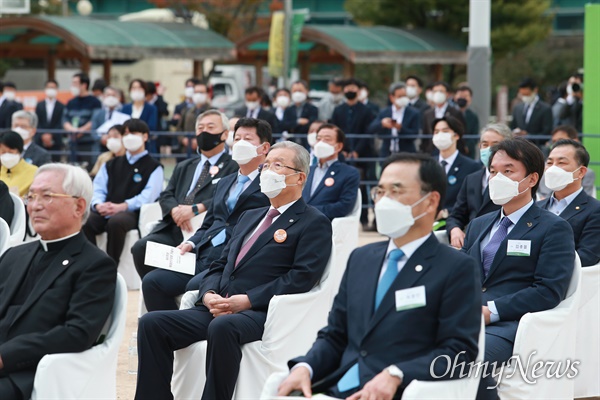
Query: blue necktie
{"x": 491, "y": 248}
{"x": 233, "y": 198}
{"x": 351, "y": 378}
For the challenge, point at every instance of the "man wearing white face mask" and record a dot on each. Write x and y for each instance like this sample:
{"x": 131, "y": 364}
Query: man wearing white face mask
{"x": 410, "y": 280}
{"x": 332, "y": 185}
{"x": 14, "y": 171}
{"x": 49, "y": 113}
{"x": 275, "y": 250}
{"x": 201, "y": 102}
{"x": 25, "y": 124}
{"x": 233, "y": 195}
{"x": 252, "y": 108}
{"x": 114, "y": 144}
{"x": 397, "y": 120}
{"x": 109, "y": 115}
{"x": 524, "y": 253}
{"x": 281, "y": 103}
{"x": 533, "y": 116}
{"x": 301, "y": 113}
{"x": 566, "y": 166}
{"x": 121, "y": 187}
{"x": 414, "y": 88}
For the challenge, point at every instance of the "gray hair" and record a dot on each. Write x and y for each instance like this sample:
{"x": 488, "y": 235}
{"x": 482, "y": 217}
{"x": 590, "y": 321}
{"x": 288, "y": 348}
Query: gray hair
{"x": 224, "y": 119}
{"x": 395, "y": 86}
{"x": 76, "y": 182}
{"x": 28, "y": 115}
{"x": 501, "y": 129}
{"x": 114, "y": 89}
{"x": 301, "y": 159}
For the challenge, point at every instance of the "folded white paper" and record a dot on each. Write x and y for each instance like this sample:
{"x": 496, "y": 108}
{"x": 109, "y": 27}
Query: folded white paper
{"x": 170, "y": 258}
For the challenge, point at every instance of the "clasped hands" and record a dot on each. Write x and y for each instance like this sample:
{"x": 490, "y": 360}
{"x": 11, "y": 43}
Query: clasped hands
{"x": 182, "y": 214}
{"x": 109, "y": 209}
{"x": 219, "y": 305}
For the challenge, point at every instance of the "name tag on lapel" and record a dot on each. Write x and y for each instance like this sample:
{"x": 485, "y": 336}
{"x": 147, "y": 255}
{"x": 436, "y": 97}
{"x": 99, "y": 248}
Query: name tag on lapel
{"x": 520, "y": 248}
{"x": 214, "y": 181}
{"x": 410, "y": 298}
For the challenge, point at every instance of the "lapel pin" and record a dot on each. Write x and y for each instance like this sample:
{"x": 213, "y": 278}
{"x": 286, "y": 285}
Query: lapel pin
{"x": 332, "y": 172}
{"x": 529, "y": 224}
{"x": 577, "y": 208}
{"x": 329, "y": 182}
{"x": 65, "y": 262}
{"x": 456, "y": 168}
{"x": 291, "y": 220}
{"x": 419, "y": 268}
{"x": 213, "y": 170}
{"x": 280, "y": 235}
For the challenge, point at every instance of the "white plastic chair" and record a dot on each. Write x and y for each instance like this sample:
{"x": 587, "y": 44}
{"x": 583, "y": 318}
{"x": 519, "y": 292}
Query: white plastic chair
{"x": 126, "y": 265}
{"x": 17, "y": 226}
{"x": 4, "y": 236}
{"x": 150, "y": 214}
{"x": 587, "y": 381}
{"x": 545, "y": 336}
{"x": 91, "y": 374}
{"x": 290, "y": 329}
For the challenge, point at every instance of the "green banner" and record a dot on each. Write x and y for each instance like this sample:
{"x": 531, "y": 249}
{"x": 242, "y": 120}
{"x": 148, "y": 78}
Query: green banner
{"x": 591, "y": 67}
{"x": 297, "y": 24}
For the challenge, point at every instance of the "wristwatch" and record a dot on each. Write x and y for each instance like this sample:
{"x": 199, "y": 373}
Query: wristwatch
{"x": 195, "y": 209}
{"x": 395, "y": 372}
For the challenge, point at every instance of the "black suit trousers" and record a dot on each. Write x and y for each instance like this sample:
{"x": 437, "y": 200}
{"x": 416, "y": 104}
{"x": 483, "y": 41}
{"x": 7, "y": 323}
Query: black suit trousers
{"x": 160, "y": 333}
{"x": 169, "y": 235}
{"x": 116, "y": 228}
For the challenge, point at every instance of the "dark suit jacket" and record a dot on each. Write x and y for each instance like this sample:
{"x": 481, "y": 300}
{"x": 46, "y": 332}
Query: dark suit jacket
{"x": 429, "y": 117}
{"x": 338, "y": 199}
{"x": 219, "y": 218}
{"x": 583, "y": 214}
{"x": 360, "y": 120}
{"x": 472, "y": 121}
{"x": 55, "y": 120}
{"x": 36, "y": 155}
{"x": 411, "y": 339}
{"x": 263, "y": 114}
{"x": 270, "y": 268}
{"x": 459, "y": 170}
{"x": 149, "y": 114}
{"x": 180, "y": 183}
{"x": 64, "y": 313}
{"x": 518, "y": 284}
{"x": 540, "y": 122}
{"x": 7, "y": 109}
{"x": 373, "y": 107}
{"x": 7, "y": 206}
{"x": 290, "y": 118}
{"x": 421, "y": 105}
{"x": 470, "y": 202}
{"x": 411, "y": 123}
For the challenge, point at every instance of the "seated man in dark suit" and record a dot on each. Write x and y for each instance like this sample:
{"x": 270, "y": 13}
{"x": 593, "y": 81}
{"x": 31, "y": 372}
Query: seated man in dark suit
{"x": 525, "y": 254}
{"x": 7, "y": 206}
{"x": 566, "y": 166}
{"x": 447, "y": 134}
{"x": 49, "y": 113}
{"x": 56, "y": 293}
{"x": 300, "y": 114}
{"x": 25, "y": 124}
{"x": 233, "y": 194}
{"x": 191, "y": 187}
{"x": 473, "y": 199}
{"x": 276, "y": 250}
{"x": 332, "y": 185}
{"x": 253, "y": 109}
{"x": 397, "y": 120}
{"x": 403, "y": 304}
{"x": 532, "y": 116}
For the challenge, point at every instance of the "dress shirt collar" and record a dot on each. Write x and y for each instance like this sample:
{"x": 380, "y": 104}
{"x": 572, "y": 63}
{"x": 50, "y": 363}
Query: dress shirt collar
{"x": 50, "y": 243}
{"x": 516, "y": 216}
{"x": 409, "y": 248}
{"x": 48, "y": 100}
{"x": 212, "y": 160}
{"x": 132, "y": 159}
{"x": 327, "y": 164}
{"x": 283, "y": 208}
{"x": 252, "y": 175}
{"x": 568, "y": 200}
{"x": 440, "y": 111}
{"x": 450, "y": 160}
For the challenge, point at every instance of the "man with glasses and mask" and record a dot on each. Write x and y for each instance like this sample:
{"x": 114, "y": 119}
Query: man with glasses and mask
{"x": 525, "y": 254}
{"x": 403, "y": 305}
{"x": 233, "y": 195}
{"x": 191, "y": 188}
{"x": 271, "y": 252}
{"x": 121, "y": 187}
{"x": 55, "y": 293}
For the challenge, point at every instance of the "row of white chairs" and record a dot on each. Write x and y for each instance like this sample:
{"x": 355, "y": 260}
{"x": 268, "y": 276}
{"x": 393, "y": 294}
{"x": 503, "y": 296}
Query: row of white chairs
{"x": 13, "y": 234}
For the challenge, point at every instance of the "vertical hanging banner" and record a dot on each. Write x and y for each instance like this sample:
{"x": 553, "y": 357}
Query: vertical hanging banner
{"x": 296, "y": 27}
{"x": 276, "y": 45}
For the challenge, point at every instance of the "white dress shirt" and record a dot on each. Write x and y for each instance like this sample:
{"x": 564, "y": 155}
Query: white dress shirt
{"x": 558, "y": 206}
{"x": 398, "y": 116}
{"x": 441, "y": 111}
{"x": 50, "y": 103}
{"x": 319, "y": 174}
{"x": 449, "y": 161}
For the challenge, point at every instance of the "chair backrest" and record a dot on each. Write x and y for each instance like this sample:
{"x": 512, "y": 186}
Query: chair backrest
{"x": 149, "y": 213}
{"x": 118, "y": 313}
{"x": 575, "y": 279}
{"x": 357, "y": 206}
{"x": 4, "y": 236}
{"x": 17, "y": 226}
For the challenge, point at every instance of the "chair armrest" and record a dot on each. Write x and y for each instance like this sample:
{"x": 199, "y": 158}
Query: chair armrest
{"x": 189, "y": 299}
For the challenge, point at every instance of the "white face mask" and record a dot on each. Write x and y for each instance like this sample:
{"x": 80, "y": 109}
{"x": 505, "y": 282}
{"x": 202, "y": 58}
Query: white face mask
{"x": 252, "y": 105}
{"x": 312, "y": 139}
{"x": 323, "y": 150}
{"x": 51, "y": 93}
{"x": 411, "y": 92}
{"x": 503, "y": 189}
{"x": 9, "y": 160}
{"x": 188, "y": 92}
{"x": 557, "y": 179}
{"x": 199, "y": 98}
{"x": 282, "y": 101}
{"x": 9, "y": 95}
{"x": 110, "y": 101}
{"x": 298, "y": 97}
{"x": 443, "y": 140}
{"x": 75, "y": 90}
{"x": 362, "y": 95}
{"x": 528, "y": 99}
{"x": 439, "y": 98}
{"x": 394, "y": 219}
{"x": 402, "y": 102}
{"x": 429, "y": 96}
{"x": 137, "y": 95}
{"x": 229, "y": 140}
{"x": 25, "y": 134}
{"x": 114, "y": 145}
{"x": 243, "y": 152}
{"x": 133, "y": 142}
{"x": 272, "y": 183}
{"x": 338, "y": 97}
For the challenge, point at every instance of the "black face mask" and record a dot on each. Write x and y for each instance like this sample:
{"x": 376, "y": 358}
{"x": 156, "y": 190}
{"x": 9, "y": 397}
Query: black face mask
{"x": 208, "y": 141}
{"x": 350, "y": 95}
{"x": 462, "y": 103}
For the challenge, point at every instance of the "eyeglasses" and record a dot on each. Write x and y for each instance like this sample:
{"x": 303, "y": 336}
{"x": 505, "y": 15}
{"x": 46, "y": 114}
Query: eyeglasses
{"x": 377, "y": 193}
{"x": 45, "y": 198}
{"x": 276, "y": 167}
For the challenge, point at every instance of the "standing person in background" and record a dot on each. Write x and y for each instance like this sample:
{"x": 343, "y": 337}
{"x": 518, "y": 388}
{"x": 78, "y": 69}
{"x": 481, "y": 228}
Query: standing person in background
{"x": 332, "y": 99}
{"x": 463, "y": 99}
{"x": 414, "y": 88}
{"x": 156, "y": 99}
{"x": 533, "y": 116}
{"x": 50, "y": 113}
{"x": 573, "y": 113}
{"x": 77, "y": 119}
{"x": 188, "y": 121}
{"x": 140, "y": 109}
{"x": 98, "y": 88}
{"x": 300, "y": 114}
{"x": 25, "y": 124}
{"x": 187, "y": 102}
{"x": 363, "y": 96}
{"x": 253, "y": 108}
{"x": 7, "y": 105}
{"x": 560, "y": 105}
{"x": 111, "y": 102}
{"x": 282, "y": 102}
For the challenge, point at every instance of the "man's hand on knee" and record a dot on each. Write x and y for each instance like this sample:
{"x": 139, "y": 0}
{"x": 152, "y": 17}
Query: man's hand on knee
{"x": 383, "y": 386}
{"x": 229, "y": 305}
